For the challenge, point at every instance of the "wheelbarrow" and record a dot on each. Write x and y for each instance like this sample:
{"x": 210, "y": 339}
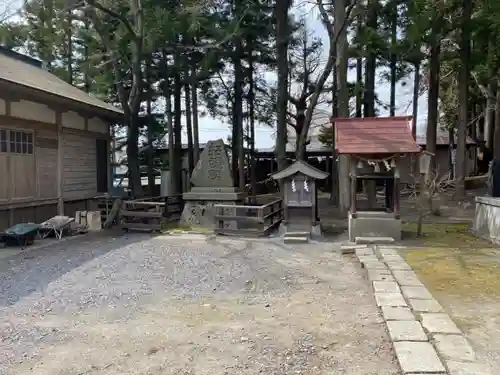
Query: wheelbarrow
{"x": 20, "y": 234}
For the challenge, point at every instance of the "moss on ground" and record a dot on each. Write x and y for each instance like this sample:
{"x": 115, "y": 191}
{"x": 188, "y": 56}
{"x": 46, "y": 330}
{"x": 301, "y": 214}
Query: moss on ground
{"x": 452, "y": 262}
{"x": 444, "y": 235}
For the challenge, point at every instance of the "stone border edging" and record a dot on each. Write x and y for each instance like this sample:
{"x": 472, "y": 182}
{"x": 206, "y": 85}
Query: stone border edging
{"x": 425, "y": 339}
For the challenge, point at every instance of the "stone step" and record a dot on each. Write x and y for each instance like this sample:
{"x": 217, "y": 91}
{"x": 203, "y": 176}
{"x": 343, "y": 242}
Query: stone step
{"x": 290, "y": 239}
{"x": 374, "y": 240}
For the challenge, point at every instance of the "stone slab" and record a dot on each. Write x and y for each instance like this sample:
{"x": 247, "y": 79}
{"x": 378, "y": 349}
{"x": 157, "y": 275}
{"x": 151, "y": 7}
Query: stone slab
{"x": 364, "y": 250}
{"x": 407, "y": 278}
{"x": 393, "y": 258}
{"x": 439, "y": 323}
{"x": 397, "y": 313}
{"x": 371, "y": 258}
{"x": 390, "y": 299}
{"x": 388, "y": 252}
{"x": 425, "y": 305}
{"x": 398, "y": 266}
{"x": 464, "y": 368}
{"x": 380, "y": 275}
{"x": 373, "y": 265}
{"x": 406, "y": 331}
{"x": 454, "y": 347}
{"x": 373, "y": 240}
{"x": 416, "y": 292}
{"x": 386, "y": 287}
{"x": 353, "y": 249}
{"x": 418, "y": 357}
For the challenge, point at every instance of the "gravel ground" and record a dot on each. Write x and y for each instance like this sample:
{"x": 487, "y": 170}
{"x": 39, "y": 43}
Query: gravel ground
{"x": 188, "y": 305}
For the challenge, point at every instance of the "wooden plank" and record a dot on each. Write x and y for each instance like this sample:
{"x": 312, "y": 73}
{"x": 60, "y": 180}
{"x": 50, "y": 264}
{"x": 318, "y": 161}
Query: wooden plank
{"x": 239, "y": 232}
{"x": 141, "y": 214}
{"x": 271, "y": 214}
{"x": 251, "y": 219}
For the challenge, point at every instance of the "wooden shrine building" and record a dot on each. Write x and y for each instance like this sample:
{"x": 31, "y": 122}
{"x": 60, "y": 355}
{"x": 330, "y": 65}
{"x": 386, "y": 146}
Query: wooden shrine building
{"x": 300, "y": 196}
{"x": 378, "y": 147}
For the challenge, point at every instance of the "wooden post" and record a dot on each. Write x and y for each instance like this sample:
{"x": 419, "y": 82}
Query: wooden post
{"x": 60, "y": 165}
{"x": 353, "y": 190}
{"x": 396, "y": 189}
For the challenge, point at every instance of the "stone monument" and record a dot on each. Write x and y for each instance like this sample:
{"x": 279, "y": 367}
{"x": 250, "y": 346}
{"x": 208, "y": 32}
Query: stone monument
{"x": 213, "y": 184}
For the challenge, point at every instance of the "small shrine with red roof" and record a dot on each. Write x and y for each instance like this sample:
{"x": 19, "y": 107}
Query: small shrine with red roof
{"x": 376, "y": 146}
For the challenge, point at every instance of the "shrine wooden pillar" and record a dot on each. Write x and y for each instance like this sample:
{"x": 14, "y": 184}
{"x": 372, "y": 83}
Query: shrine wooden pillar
{"x": 396, "y": 193}
{"x": 353, "y": 186}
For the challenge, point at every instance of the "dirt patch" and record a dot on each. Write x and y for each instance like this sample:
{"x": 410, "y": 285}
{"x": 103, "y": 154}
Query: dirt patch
{"x": 204, "y": 306}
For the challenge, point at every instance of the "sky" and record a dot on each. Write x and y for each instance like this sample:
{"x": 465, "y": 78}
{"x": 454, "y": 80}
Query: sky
{"x": 211, "y": 128}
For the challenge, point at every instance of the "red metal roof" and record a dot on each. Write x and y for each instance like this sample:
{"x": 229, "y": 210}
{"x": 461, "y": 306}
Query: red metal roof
{"x": 374, "y": 135}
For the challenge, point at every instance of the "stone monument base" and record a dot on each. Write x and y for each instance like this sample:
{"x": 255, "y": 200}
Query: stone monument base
{"x": 199, "y": 205}
{"x": 374, "y": 224}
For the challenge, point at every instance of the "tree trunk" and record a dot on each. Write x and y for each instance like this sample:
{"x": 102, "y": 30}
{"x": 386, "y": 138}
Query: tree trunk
{"x": 394, "y": 29}
{"x": 416, "y": 95}
{"x": 194, "y": 104}
{"x": 189, "y": 127}
{"x": 371, "y": 63}
{"x": 177, "y": 162}
{"x": 496, "y": 132}
{"x": 238, "y": 108}
{"x": 282, "y": 38}
{"x": 463, "y": 94}
{"x": 150, "y": 150}
{"x": 134, "y": 172}
{"x": 342, "y": 99}
{"x": 167, "y": 93}
{"x": 432, "y": 102}
{"x": 489, "y": 120}
{"x": 359, "y": 70}
{"x": 251, "y": 114}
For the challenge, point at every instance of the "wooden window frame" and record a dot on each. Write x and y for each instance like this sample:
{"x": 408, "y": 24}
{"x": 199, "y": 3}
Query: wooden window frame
{"x": 19, "y": 139}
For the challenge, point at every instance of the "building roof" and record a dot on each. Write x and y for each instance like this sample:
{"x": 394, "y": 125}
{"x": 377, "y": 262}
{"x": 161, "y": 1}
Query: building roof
{"x": 300, "y": 167}
{"x": 27, "y": 72}
{"x": 442, "y": 139}
{"x": 375, "y": 135}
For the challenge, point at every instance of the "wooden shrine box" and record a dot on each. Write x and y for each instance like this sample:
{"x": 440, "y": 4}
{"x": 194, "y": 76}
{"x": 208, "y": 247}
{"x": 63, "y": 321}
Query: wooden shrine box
{"x": 300, "y": 200}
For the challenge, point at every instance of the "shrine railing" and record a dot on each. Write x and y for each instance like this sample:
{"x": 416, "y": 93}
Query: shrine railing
{"x": 150, "y": 214}
{"x": 251, "y": 221}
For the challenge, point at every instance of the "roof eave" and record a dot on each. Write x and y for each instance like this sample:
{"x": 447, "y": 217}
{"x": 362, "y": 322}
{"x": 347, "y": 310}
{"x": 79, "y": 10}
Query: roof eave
{"x": 30, "y": 93}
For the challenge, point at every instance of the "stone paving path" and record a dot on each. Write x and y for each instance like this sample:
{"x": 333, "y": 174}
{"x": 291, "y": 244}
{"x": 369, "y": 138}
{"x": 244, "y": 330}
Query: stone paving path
{"x": 424, "y": 337}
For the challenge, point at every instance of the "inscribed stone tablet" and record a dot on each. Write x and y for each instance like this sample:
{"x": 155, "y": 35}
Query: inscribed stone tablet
{"x": 212, "y": 170}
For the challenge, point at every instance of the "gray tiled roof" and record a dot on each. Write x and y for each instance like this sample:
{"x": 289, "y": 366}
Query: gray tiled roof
{"x": 21, "y": 72}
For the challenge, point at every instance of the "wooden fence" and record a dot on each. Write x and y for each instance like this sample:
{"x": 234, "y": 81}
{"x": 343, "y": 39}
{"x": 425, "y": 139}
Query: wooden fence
{"x": 150, "y": 214}
{"x": 252, "y": 221}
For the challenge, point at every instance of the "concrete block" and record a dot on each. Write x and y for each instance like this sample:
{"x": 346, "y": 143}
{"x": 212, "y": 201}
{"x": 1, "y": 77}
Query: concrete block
{"x": 454, "y": 347}
{"x": 374, "y": 224}
{"x": 351, "y": 248}
{"x": 439, "y": 323}
{"x": 364, "y": 251}
{"x": 407, "y": 278}
{"x": 390, "y": 299}
{"x": 386, "y": 287}
{"x": 397, "y": 313}
{"x": 380, "y": 275}
{"x": 418, "y": 357}
{"x": 464, "y": 368}
{"x": 416, "y": 292}
{"x": 398, "y": 266}
{"x": 406, "y": 331}
{"x": 425, "y": 305}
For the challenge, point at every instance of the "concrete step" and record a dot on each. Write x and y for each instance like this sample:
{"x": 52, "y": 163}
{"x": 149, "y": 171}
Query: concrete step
{"x": 374, "y": 240}
{"x": 290, "y": 239}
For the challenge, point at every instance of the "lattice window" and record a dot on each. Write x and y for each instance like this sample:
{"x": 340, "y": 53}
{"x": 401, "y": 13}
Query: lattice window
{"x": 16, "y": 141}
